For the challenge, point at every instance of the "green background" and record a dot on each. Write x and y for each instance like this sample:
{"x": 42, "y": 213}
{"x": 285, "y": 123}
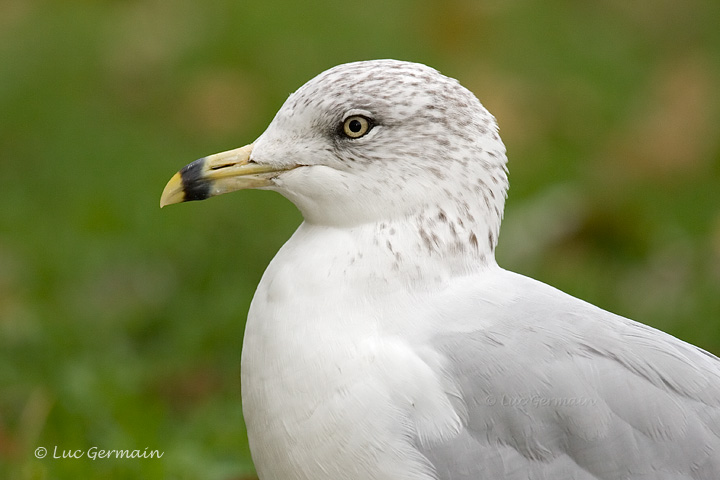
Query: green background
{"x": 121, "y": 324}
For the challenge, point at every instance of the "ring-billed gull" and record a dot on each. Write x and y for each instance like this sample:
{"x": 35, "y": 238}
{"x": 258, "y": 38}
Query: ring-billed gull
{"x": 384, "y": 341}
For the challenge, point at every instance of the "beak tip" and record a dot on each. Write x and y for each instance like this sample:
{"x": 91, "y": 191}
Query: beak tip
{"x": 173, "y": 192}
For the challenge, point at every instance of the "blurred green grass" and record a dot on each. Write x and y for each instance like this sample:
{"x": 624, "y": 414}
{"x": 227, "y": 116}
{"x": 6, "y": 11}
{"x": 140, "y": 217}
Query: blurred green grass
{"x": 121, "y": 325}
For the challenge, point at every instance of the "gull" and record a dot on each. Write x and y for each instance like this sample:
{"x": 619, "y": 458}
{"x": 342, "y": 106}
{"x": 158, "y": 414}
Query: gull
{"x": 385, "y": 342}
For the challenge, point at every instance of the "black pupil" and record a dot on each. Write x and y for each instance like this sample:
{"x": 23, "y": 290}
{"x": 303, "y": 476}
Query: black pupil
{"x": 355, "y": 126}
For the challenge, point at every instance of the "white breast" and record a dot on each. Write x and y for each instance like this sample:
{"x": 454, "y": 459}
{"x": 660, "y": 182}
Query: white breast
{"x": 329, "y": 388}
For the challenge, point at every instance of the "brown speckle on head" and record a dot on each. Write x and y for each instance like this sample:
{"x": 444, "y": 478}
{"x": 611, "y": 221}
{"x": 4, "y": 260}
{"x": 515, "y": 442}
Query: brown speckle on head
{"x": 474, "y": 241}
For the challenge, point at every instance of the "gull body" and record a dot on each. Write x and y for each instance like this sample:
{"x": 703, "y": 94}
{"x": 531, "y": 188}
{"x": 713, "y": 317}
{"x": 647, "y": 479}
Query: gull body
{"x": 384, "y": 341}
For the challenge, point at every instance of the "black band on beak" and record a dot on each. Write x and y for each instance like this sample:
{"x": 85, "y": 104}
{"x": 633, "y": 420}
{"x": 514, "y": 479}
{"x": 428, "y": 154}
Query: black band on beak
{"x": 195, "y": 186}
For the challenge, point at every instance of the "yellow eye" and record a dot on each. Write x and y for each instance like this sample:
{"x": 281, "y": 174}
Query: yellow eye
{"x": 356, "y": 126}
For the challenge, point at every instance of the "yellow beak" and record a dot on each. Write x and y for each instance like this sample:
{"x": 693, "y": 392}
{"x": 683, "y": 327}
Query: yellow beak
{"x": 217, "y": 174}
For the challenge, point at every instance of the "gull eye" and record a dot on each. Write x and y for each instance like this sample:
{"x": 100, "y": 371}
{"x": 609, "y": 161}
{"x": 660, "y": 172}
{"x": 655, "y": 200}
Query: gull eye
{"x": 356, "y": 126}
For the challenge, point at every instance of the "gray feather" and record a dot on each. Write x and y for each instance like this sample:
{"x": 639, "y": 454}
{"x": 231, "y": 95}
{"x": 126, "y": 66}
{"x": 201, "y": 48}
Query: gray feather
{"x": 557, "y": 388}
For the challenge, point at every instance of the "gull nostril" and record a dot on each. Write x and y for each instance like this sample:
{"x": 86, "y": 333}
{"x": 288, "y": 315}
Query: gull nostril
{"x": 218, "y": 167}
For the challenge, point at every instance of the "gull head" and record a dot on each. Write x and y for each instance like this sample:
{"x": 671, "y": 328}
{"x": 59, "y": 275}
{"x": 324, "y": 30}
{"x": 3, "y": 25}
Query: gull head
{"x": 370, "y": 141}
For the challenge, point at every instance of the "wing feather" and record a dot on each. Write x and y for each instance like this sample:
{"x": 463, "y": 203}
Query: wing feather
{"x": 553, "y": 387}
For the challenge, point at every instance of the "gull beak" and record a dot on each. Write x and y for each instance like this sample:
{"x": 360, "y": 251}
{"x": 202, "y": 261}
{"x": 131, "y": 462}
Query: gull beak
{"x": 217, "y": 174}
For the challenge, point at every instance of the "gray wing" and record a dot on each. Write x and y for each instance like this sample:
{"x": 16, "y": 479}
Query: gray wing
{"x": 559, "y": 389}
